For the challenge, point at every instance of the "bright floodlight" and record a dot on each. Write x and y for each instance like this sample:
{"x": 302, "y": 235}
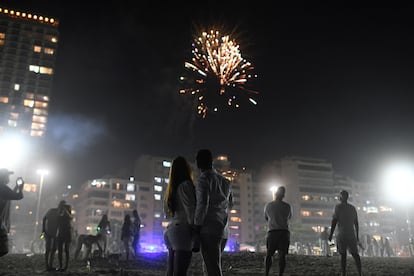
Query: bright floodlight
{"x": 42, "y": 172}
{"x": 12, "y": 149}
{"x": 398, "y": 181}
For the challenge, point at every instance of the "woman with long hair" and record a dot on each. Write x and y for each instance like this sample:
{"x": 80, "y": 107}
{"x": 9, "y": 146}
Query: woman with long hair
{"x": 179, "y": 206}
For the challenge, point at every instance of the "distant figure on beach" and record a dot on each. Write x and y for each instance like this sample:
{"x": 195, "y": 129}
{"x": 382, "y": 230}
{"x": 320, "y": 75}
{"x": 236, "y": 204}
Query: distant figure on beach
{"x": 179, "y": 207}
{"x": 375, "y": 247}
{"x": 210, "y": 219}
{"x": 324, "y": 236}
{"x": 136, "y": 230}
{"x": 49, "y": 230}
{"x": 126, "y": 234}
{"x": 104, "y": 228}
{"x": 64, "y": 236}
{"x": 388, "y": 248}
{"x": 347, "y": 237}
{"x": 277, "y": 214}
{"x": 381, "y": 246}
{"x": 369, "y": 248}
{"x": 7, "y": 194}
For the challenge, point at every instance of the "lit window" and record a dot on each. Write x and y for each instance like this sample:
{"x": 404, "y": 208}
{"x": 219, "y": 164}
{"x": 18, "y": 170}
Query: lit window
{"x": 166, "y": 164}
{"x": 49, "y": 51}
{"x": 130, "y": 197}
{"x": 34, "y": 68}
{"x": 46, "y": 70}
{"x": 116, "y": 204}
{"x": 157, "y": 215}
{"x": 37, "y": 111}
{"x": 37, "y": 133}
{"x": 304, "y": 213}
{"x": 118, "y": 186}
{"x": 306, "y": 197}
{"x": 319, "y": 213}
{"x": 235, "y": 227}
{"x": 127, "y": 205}
{"x": 235, "y": 219}
{"x": 164, "y": 224}
{"x": 28, "y": 103}
{"x": 233, "y": 211}
{"x": 131, "y": 178}
{"x": 130, "y": 187}
{"x": 12, "y": 123}
{"x": 4, "y": 99}
{"x": 166, "y": 180}
{"x": 37, "y": 49}
{"x": 39, "y": 119}
{"x": 157, "y": 188}
{"x": 157, "y": 196}
{"x": 16, "y": 87}
{"x": 157, "y": 179}
{"x": 53, "y": 39}
{"x": 36, "y": 126}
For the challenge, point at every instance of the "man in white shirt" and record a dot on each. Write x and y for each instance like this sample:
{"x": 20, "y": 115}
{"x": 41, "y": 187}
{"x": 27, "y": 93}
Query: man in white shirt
{"x": 210, "y": 219}
{"x": 347, "y": 238}
{"x": 277, "y": 213}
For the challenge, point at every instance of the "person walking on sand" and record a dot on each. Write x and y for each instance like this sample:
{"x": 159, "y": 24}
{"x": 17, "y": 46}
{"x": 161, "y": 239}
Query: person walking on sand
{"x": 7, "y": 194}
{"x": 211, "y": 213}
{"x": 49, "y": 230}
{"x": 347, "y": 238}
{"x": 324, "y": 242}
{"x": 179, "y": 206}
{"x": 126, "y": 234}
{"x": 277, "y": 214}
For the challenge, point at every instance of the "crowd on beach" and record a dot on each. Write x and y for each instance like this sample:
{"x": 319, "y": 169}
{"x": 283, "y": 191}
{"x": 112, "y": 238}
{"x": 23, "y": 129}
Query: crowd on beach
{"x": 197, "y": 210}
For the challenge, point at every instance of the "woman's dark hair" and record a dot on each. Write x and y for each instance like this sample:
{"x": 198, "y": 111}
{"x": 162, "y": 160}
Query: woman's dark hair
{"x": 180, "y": 171}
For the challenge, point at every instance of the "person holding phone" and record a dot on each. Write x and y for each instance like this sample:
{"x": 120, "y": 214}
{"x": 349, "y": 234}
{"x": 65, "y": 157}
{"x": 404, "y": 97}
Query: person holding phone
{"x": 6, "y": 195}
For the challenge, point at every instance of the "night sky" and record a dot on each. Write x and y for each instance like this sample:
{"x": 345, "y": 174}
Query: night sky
{"x": 334, "y": 83}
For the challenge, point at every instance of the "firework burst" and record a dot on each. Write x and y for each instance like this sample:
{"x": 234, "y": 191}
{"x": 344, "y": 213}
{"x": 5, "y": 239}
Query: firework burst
{"x": 217, "y": 71}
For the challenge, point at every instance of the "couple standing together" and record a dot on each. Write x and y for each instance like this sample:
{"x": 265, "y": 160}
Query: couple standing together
{"x": 198, "y": 213}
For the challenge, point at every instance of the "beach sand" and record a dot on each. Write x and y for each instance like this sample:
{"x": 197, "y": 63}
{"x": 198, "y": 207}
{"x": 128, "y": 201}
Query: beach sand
{"x": 241, "y": 263}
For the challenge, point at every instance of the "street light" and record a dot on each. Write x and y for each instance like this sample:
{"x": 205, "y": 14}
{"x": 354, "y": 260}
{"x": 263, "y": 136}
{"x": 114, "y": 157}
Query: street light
{"x": 273, "y": 189}
{"x": 42, "y": 173}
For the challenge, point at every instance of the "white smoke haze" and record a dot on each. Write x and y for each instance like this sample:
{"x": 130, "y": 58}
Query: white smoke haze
{"x": 75, "y": 133}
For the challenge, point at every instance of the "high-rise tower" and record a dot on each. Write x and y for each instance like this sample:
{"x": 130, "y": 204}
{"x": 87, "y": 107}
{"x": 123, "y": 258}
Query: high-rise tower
{"x": 28, "y": 44}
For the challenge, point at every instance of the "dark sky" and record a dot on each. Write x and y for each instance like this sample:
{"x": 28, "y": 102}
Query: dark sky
{"x": 334, "y": 83}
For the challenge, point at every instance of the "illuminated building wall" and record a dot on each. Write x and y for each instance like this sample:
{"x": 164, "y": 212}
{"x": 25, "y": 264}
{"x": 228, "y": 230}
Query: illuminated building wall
{"x": 115, "y": 197}
{"x": 241, "y": 222}
{"x": 28, "y": 44}
{"x": 153, "y": 172}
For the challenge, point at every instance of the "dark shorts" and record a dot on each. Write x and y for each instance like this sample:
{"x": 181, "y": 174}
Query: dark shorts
{"x": 344, "y": 242}
{"x": 277, "y": 240}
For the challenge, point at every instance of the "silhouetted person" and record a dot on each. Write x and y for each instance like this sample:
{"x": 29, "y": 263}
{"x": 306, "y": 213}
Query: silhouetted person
{"x": 375, "y": 247}
{"x": 381, "y": 246}
{"x": 324, "y": 236}
{"x": 347, "y": 237}
{"x": 64, "y": 236}
{"x": 388, "y": 249}
{"x": 7, "y": 194}
{"x": 370, "y": 250}
{"x": 179, "y": 206}
{"x": 49, "y": 230}
{"x": 126, "y": 234}
{"x": 104, "y": 228}
{"x": 210, "y": 219}
{"x": 136, "y": 231}
{"x": 277, "y": 214}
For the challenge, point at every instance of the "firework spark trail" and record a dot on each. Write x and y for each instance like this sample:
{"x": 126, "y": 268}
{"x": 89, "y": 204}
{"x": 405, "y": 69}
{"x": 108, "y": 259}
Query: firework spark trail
{"x": 217, "y": 59}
